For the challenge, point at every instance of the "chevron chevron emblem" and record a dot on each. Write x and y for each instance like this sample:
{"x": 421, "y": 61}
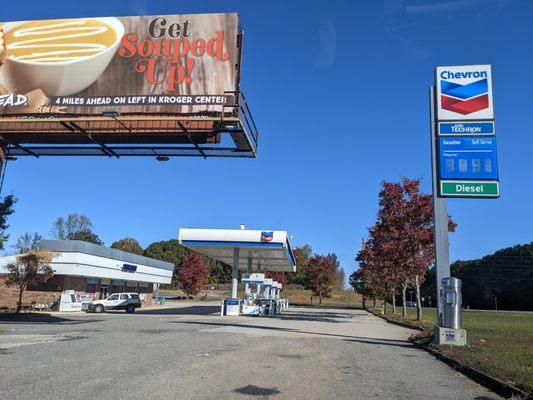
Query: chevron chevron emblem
{"x": 464, "y": 99}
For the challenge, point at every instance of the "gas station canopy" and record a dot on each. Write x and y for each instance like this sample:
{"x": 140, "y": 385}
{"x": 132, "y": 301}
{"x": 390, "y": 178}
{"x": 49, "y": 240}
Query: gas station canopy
{"x": 256, "y": 250}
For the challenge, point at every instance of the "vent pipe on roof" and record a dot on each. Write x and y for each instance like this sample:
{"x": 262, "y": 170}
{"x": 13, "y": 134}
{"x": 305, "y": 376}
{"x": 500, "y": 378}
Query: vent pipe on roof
{"x": 243, "y": 227}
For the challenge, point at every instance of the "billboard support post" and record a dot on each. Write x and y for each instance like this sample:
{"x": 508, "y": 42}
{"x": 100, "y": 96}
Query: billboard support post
{"x": 440, "y": 215}
{"x": 3, "y": 165}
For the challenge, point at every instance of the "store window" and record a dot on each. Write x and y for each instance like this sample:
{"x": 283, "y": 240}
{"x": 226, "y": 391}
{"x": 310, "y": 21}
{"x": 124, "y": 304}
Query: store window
{"x": 143, "y": 287}
{"x": 90, "y": 285}
{"x": 131, "y": 286}
{"x": 117, "y": 285}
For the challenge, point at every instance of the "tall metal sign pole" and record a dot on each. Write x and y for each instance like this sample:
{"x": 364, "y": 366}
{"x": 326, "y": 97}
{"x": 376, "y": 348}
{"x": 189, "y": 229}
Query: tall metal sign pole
{"x": 440, "y": 215}
{"x": 464, "y": 164}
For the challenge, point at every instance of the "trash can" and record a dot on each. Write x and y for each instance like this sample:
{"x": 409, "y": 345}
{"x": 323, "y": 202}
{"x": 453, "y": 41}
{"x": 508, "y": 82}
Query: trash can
{"x": 451, "y": 293}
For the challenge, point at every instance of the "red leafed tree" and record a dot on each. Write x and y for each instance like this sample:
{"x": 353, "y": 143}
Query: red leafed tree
{"x": 320, "y": 276}
{"x": 279, "y": 277}
{"x": 401, "y": 243}
{"x": 193, "y": 273}
{"x": 377, "y": 269}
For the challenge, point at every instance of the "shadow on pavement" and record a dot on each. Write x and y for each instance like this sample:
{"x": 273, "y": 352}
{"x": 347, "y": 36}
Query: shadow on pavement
{"x": 43, "y": 319}
{"x": 192, "y": 310}
{"x": 316, "y": 316}
{"x": 303, "y": 304}
{"x": 348, "y": 338}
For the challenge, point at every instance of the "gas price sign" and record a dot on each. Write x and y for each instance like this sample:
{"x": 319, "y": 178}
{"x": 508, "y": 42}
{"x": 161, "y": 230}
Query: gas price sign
{"x": 468, "y": 158}
{"x": 466, "y": 135}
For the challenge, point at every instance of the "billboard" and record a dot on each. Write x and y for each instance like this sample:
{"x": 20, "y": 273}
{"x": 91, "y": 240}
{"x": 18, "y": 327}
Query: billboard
{"x": 178, "y": 64}
{"x": 464, "y": 93}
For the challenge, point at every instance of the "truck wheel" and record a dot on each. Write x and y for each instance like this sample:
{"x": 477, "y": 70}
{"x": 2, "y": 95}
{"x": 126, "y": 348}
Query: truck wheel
{"x": 130, "y": 309}
{"x": 98, "y": 308}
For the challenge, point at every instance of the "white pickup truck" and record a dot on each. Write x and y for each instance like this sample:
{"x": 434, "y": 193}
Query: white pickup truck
{"x": 117, "y": 301}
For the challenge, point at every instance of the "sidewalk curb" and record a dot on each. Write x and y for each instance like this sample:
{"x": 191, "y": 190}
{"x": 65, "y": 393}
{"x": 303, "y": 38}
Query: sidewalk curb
{"x": 497, "y": 386}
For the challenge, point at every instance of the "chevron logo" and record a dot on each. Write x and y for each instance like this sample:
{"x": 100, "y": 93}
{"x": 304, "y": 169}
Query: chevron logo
{"x": 464, "y": 99}
{"x": 267, "y": 236}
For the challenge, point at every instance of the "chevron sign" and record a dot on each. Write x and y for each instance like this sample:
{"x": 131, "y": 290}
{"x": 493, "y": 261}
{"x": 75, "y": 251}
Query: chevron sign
{"x": 464, "y": 92}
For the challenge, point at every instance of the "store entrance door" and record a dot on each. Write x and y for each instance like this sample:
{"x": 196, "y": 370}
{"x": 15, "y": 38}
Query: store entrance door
{"x": 104, "y": 291}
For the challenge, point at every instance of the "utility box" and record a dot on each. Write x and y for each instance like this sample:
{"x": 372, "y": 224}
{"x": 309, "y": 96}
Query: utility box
{"x": 451, "y": 293}
{"x": 451, "y": 332}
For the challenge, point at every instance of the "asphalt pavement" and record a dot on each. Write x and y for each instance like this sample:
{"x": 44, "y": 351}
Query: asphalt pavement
{"x": 190, "y": 352}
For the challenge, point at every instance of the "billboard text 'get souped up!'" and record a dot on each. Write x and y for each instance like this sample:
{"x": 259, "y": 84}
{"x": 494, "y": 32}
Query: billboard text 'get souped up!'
{"x": 149, "y": 64}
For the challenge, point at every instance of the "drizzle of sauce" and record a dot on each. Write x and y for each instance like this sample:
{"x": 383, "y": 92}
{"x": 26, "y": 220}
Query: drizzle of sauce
{"x": 58, "y": 40}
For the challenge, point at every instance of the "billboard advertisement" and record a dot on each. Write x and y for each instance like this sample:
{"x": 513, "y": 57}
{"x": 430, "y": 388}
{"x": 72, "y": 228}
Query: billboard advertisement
{"x": 464, "y": 93}
{"x": 178, "y": 64}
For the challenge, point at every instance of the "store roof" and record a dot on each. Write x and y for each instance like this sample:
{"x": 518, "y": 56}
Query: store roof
{"x": 102, "y": 251}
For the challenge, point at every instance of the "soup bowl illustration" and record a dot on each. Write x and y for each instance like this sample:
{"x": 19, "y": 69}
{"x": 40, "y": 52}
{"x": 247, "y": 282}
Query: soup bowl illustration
{"x": 58, "y": 69}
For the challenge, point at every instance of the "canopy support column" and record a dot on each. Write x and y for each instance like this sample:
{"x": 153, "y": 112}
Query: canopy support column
{"x": 247, "y": 285}
{"x": 156, "y": 292}
{"x": 235, "y": 272}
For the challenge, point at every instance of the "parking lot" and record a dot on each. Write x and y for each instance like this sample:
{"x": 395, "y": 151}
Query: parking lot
{"x": 188, "y": 351}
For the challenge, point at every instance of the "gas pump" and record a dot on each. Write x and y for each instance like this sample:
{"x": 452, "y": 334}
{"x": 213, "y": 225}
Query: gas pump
{"x": 265, "y": 299}
{"x": 281, "y": 300}
{"x": 275, "y": 305}
{"x": 251, "y": 301}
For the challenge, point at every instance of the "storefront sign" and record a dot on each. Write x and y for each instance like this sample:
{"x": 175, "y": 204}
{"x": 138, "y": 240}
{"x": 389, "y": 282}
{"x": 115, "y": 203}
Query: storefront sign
{"x": 129, "y": 268}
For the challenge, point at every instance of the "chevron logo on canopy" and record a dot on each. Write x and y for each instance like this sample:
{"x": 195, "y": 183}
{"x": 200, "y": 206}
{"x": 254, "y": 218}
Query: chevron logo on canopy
{"x": 464, "y": 99}
{"x": 267, "y": 236}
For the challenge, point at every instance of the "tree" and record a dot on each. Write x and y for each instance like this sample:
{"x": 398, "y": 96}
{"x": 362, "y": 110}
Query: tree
{"x": 321, "y": 275}
{"x": 6, "y": 209}
{"x": 219, "y": 272}
{"x": 193, "y": 273}
{"x": 302, "y": 256}
{"x": 66, "y": 228}
{"x": 400, "y": 249}
{"x": 86, "y": 236}
{"x": 29, "y": 269}
{"x": 505, "y": 276}
{"x": 340, "y": 276}
{"x": 129, "y": 245}
{"x": 27, "y": 242}
{"x": 169, "y": 251}
{"x": 279, "y": 277}
{"x": 357, "y": 281}
{"x": 375, "y": 268}
{"x": 173, "y": 252}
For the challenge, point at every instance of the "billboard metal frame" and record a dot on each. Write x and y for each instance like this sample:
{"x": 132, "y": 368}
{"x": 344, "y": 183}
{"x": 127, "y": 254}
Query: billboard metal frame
{"x": 133, "y": 135}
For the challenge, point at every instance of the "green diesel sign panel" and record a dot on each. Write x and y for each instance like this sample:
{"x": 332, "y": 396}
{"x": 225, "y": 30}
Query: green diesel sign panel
{"x": 470, "y": 188}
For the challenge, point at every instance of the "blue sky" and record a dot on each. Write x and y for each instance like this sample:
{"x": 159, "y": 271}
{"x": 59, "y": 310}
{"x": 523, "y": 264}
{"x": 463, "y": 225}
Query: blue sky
{"x": 339, "y": 93}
